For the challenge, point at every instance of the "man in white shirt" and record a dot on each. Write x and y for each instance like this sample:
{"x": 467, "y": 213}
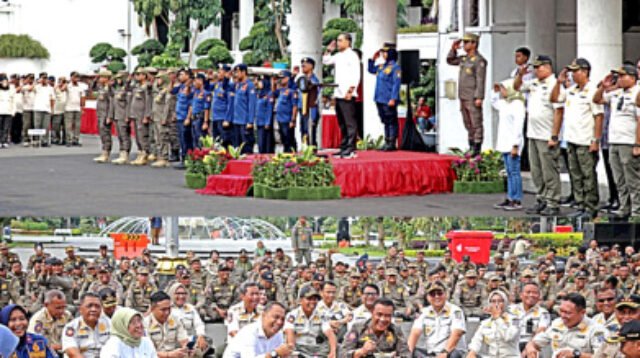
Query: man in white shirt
{"x": 16, "y": 122}
{"x": 583, "y": 130}
{"x": 76, "y": 93}
{"x": 28, "y": 96}
{"x": 263, "y": 338}
{"x": 347, "y": 77}
{"x": 43, "y": 106}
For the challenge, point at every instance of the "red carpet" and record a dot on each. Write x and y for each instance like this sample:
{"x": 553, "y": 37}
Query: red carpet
{"x": 372, "y": 173}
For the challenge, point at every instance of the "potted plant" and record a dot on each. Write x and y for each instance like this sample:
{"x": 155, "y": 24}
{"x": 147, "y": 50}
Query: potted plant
{"x": 196, "y": 173}
{"x": 479, "y": 174}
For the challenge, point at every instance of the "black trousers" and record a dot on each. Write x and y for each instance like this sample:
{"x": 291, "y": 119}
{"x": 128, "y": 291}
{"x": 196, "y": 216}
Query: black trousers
{"x": 360, "y": 117}
{"x": 16, "y": 128}
{"x": 613, "y": 189}
{"x": 346, "y": 113}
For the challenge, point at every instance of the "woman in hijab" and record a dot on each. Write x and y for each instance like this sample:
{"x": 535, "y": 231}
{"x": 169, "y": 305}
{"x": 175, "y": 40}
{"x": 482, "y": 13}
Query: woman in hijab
{"x": 127, "y": 337}
{"x": 498, "y": 335}
{"x": 30, "y": 345}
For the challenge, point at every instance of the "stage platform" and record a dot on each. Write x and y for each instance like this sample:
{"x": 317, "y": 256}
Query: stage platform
{"x": 370, "y": 174}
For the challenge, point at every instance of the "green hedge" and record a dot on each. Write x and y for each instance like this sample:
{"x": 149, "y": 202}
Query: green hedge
{"x": 418, "y": 29}
{"x": 374, "y": 251}
{"x": 29, "y": 225}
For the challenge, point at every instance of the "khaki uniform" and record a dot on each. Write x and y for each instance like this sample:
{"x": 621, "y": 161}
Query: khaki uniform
{"x": 469, "y": 298}
{"x": 108, "y": 260}
{"x": 398, "y": 293}
{"x": 166, "y": 336}
{"x": 19, "y": 284}
{"x": 497, "y": 337}
{"x": 471, "y": 86}
{"x": 530, "y": 321}
{"x": 589, "y": 296}
{"x": 350, "y": 296}
{"x": 302, "y": 242}
{"x": 139, "y": 109}
{"x": 173, "y": 124}
{"x": 104, "y": 97}
{"x": 77, "y": 334}
{"x": 219, "y": 295}
{"x": 57, "y": 282}
{"x": 609, "y": 350}
{"x": 392, "y": 262}
{"x": 309, "y": 332}
{"x": 284, "y": 264}
{"x": 360, "y": 315}
{"x": 161, "y": 120}
{"x": 450, "y": 265}
{"x": 9, "y": 259}
{"x": 33, "y": 291}
{"x": 238, "y": 317}
{"x": 200, "y": 279}
{"x": 437, "y": 327}
{"x": 42, "y": 323}
{"x": 33, "y": 258}
{"x": 276, "y": 293}
{"x": 138, "y": 297}
{"x": 587, "y": 336}
{"x": 8, "y": 292}
{"x": 423, "y": 268}
{"x": 119, "y": 109}
{"x": 126, "y": 279}
{"x": 611, "y": 324}
{"x": 391, "y": 341}
{"x": 626, "y": 286}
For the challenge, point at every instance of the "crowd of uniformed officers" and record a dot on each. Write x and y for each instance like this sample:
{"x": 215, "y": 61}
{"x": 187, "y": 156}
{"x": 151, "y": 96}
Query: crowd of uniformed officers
{"x": 589, "y": 308}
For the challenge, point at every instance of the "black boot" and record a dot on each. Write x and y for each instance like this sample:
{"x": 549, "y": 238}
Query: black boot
{"x": 174, "y": 156}
{"x": 385, "y": 147}
{"x": 471, "y": 145}
{"x": 392, "y": 145}
{"x": 477, "y": 148}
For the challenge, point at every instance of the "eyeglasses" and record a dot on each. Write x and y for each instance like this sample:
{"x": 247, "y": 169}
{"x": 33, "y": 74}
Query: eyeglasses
{"x": 496, "y": 301}
{"x": 606, "y": 299}
{"x": 369, "y": 294}
{"x": 436, "y": 293}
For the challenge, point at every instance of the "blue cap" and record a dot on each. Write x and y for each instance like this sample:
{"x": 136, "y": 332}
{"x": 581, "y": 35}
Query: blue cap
{"x": 241, "y": 67}
{"x": 201, "y": 76}
{"x": 225, "y": 67}
{"x": 285, "y": 73}
{"x": 308, "y": 60}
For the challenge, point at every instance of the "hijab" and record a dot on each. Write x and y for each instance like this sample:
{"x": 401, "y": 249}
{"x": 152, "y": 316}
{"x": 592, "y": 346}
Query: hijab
{"x": 8, "y": 340}
{"x": 172, "y": 292}
{"x": 120, "y": 326}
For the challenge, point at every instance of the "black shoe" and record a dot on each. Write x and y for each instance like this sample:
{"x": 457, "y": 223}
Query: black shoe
{"x": 513, "y": 206}
{"x": 180, "y": 166}
{"x": 385, "y": 147}
{"x": 549, "y": 211}
{"x": 536, "y": 209}
{"x": 338, "y": 155}
{"x": 566, "y": 201}
{"x": 618, "y": 215}
{"x": 392, "y": 145}
{"x": 615, "y": 205}
{"x": 174, "y": 156}
{"x": 348, "y": 155}
{"x": 502, "y": 204}
{"x": 68, "y": 145}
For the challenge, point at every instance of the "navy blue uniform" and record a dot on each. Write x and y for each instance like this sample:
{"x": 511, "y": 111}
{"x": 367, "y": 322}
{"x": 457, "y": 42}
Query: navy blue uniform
{"x": 183, "y": 102}
{"x": 220, "y": 109}
{"x": 264, "y": 122}
{"x": 244, "y": 107}
{"x": 200, "y": 103}
{"x": 388, "y": 79}
{"x": 309, "y": 111}
{"x": 286, "y": 103}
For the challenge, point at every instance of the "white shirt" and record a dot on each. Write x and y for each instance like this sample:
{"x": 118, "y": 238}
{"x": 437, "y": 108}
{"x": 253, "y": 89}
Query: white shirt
{"x": 61, "y": 101}
{"x": 360, "y": 314}
{"x": 27, "y": 97}
{"x": 538, "y": 316}
{"x": 510, "y": 123}
{"x": 43, "y": 97}
{"x": 624, "y": 121}
{"x": 587, "y": 336}
{"x": 347, "y": 72}
{"x": 89, "y": 341}
{"x": 579, "y": 113}
{"x": 539, "y": 107}
{"x": 251, "y": 342}
{"x": 497, "y": 337}
{"x": 7, "y": 102}
{"x": 115, "y": 348}
{"x": 438, "y": 326}
{"x": 74, "y": 95}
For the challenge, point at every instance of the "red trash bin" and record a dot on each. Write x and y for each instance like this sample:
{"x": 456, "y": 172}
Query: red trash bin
{"x": 475, "y": 244}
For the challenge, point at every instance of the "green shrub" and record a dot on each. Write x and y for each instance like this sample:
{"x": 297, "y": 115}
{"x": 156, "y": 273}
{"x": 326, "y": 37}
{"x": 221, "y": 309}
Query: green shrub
{"x": 145, "y": 59}
{"x": 99, "y": 52}
{"x": 150, "y": 46}
{"x": 166, "y": 60}
{"x": 115, "y": 66}
{"x": 205, "y": 46}
{"x": 21, "y": 46}
{"x": 329, "y": 35}
{"x": 116, "y": 53}
{"x": 220, "y": 54}
{"x": 342, "y": 25}
{"x": 419, "y": 29}
{"x": 246, "y": 44}
{"x": 204, "y": 63}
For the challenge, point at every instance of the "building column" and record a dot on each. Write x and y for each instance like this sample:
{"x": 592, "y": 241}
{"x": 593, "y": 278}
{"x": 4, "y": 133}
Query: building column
{"x": 599, "y": 32}
{"x": 331, "y": 11}
{"x": 379, "y": 26}
{"x": 540, "y": 27}
{"x": 307, "y": 40}
{"x": 246, "y": 18}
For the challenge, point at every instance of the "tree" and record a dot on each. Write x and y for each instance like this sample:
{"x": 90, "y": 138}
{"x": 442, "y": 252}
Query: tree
{"x": 21, "y": 46}
{"x": 146, "y": 51}
{"x": 113, "y": 56}
{"x": 267, "y": 40}
{"x": 355, "y": 9}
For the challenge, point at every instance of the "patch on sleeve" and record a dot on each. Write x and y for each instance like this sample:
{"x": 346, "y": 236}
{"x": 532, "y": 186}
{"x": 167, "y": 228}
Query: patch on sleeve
{"x": 70, "y": 332}
{"x": 38, "y": 327}
{"x": 457, "y": 314}
{"x": 291, "y": 319}
{"x": 352, "y": 337}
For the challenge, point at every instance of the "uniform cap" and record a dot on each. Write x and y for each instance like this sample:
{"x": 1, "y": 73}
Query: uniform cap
{"x": 201, "y": 76}
{"x": 151, "y": 70}
{"x": 354, "y": 274}
{"x": 267, "y": 276}
{"x": 308, "y": 292}
{"x": 627, "y": 70}
{"x": 494, "y": 277}
{"x": 104, "y": 268}
{"x": 285, "y": 73}
{"x": 582, "y": 274}
{"x": 388, "y": 46}
{"x": 318, "y": 277}
{"x": 308, "y": 60}
{"x": 69, "y": 249}
{"x": 631, "y": 301}
{"x": 140, "y": 70}
{"x": 224, "y": 67}
{"x": 434, "y": 286}
{"x": 471, "y": 273}
{"x": 105, "y": 73}
{"x": 579, "y": 63}
{"x": 630, "y": 331}
{"x": 528, "y": 273}
{"x": 122, "y": 74}
{"x": 413, "y": 265}
{"x": 468, "y": 36}
{"x": 542, "y": 60}
{"x": 391, "y": 272}
{"x": 241, "y": 67}
{"x": 498, "y": 255}
{"x": 143, "y": 270}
